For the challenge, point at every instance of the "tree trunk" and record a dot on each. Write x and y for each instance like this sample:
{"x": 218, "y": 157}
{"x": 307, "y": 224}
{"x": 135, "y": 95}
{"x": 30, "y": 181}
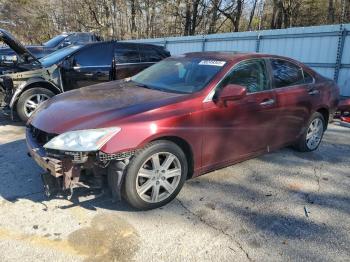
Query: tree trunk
{"x": 238, "y": 15}
{"x": 252, "y": 12}
{"x": 330, "y": 16}
{"x": 133, "y": 17}
{"x": 187, "y": 27}
{"x": 214, "y": 17}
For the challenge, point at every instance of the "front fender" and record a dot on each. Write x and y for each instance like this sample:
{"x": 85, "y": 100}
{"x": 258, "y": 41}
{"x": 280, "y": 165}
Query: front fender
{"x": 26, "y": 85}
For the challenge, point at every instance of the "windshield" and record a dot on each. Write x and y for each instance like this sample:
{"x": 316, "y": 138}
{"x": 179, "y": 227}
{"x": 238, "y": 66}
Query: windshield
{"x": 179, "y": 74}
{"x": 55, "y": 41}
{"x": 58, "y": 55}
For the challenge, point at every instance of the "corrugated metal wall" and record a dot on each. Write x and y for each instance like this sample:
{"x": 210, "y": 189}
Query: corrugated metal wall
{"x": 325, "y": 48}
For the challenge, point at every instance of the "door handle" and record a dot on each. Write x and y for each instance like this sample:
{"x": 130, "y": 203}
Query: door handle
{"x": 313, "y": 92}
{"x": 267, "y": 102}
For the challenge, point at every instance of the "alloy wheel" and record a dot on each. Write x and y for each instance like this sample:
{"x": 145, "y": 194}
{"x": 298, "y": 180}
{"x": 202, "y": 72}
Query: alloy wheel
{"x": 158, "y": 177}
{"x": 314, "y": 133}
{"x": 33, "y": 102}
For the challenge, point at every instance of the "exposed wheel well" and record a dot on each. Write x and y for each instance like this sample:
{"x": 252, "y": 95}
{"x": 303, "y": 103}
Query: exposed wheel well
{"x": 186, "y": 149}
{"x": 325, "y": 113}
{"x": 44, "y": 85}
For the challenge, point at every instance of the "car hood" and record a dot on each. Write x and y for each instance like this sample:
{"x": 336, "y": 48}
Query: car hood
{"x": 98, "y": 106}
{"x": 16, "y": 46}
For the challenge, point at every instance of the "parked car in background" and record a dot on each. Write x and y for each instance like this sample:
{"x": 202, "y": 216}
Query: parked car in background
{"x": 180, "y": 118}
{"x": 8, "y": 56}
{"x": 33, "y": 81}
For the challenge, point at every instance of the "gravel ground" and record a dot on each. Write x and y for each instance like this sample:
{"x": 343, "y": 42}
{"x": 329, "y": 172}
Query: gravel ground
{"x": 281, "y": 206}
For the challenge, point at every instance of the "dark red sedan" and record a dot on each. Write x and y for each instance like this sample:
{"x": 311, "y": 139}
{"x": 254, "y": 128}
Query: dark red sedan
{"x": 180, "y": 118}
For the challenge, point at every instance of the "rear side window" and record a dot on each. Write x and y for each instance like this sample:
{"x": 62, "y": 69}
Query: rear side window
{"x": 127, "y": 54}
{"x": 286, "y": 73}
{"x": 94, "y": 55}
{"x": 150, "y": 54}
{"x": 251, "y": 74}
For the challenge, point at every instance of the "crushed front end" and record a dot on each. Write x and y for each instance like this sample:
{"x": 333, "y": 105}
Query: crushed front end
{"x": 67, "y": 170}
{"x": 6, "y": 90}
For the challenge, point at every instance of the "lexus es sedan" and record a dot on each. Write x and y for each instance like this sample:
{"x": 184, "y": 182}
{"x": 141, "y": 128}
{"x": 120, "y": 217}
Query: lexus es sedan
{"x": 180, "y": 118}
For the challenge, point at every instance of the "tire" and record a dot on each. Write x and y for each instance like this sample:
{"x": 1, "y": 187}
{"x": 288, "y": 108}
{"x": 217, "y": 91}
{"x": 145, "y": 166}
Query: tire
{"x": 32, "y": 93}
{"x": 156, "y": 181}
{"x": 304, "y": 144}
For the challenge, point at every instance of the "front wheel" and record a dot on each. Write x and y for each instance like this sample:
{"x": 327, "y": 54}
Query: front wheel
{"x": 155, "y": 175}
{"x": 312, "y": 136}
{"x": 30, "y": 100}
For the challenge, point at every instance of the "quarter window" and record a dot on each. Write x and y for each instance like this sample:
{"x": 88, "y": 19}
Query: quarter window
{"x": 286, "y": 73}
{"x": 308, "y": 79}
{"x": 251, "y": 74}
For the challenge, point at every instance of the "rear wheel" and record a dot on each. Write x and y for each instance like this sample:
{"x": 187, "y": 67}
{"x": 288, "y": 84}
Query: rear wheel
{"x": 311, "y": 138}
{"x": 30, "y": 100}
{"x": 155, "y": 175}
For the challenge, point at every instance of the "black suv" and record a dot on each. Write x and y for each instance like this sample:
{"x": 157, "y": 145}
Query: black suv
{"x": 73, "y": 67}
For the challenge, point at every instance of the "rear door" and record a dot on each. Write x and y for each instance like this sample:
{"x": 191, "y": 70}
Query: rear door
{"x": 295, "y": 96}
{"x": 127, "y": 60}
{"x": 90, "y": 65}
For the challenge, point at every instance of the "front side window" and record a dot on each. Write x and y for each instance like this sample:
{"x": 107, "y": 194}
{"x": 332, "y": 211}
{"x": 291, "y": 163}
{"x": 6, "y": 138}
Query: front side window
{"x": 250, "y": 74}
{"x": 179, "y": 74}
{"x": 286, "y": 73}
{"x": 94, "y": 55}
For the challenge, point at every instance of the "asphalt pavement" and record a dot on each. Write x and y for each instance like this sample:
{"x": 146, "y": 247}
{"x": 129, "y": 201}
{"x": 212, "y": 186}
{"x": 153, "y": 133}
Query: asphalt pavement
{"x": 281, "y": 206}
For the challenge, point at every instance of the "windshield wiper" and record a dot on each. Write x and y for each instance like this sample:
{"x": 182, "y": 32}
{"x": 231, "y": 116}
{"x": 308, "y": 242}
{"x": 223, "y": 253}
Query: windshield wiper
{"x": 142, "y": 85}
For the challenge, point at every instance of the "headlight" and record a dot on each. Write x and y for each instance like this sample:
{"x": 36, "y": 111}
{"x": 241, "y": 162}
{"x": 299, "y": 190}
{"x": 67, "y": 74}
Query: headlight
{"x": 82, "y": 140}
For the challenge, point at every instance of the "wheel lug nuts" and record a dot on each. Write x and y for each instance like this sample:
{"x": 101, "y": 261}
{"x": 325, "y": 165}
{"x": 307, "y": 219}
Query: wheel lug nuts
{"x": 157, "y": 182}
{"x": 163, "y": 177}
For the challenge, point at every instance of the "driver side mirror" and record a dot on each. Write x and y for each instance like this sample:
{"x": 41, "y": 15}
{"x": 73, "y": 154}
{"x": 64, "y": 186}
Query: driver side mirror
{"x": 67, "y": 63}
{"x": 232, "y": 92}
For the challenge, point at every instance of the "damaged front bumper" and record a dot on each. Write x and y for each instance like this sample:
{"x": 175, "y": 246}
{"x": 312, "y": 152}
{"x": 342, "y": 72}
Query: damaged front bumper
{"x": 65, "y": 171}
{"x": 6, "y": 90}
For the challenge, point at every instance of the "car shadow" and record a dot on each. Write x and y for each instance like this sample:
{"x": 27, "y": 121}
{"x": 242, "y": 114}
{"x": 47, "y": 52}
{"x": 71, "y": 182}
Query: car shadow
{"x": 6, "y": 119}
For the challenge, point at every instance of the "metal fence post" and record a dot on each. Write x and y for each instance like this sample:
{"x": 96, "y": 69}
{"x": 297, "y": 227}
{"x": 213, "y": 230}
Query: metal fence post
{"x": 203, "y": 43}
{"x": 340, "y": 50}
{"x": 165, "y": 43}
{"x": 257, "y": 46}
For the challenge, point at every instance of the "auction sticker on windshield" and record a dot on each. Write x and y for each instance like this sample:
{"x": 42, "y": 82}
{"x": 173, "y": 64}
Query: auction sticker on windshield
{"x": 212, "y": 62}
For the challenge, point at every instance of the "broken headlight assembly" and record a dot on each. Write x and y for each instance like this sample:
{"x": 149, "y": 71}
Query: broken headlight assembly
{"x": 82, "y": 140}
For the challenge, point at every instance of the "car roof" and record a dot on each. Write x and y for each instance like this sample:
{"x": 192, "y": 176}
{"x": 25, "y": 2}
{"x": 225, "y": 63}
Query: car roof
{"x": 232, "y": 55}
{"x": 126, "y": 43}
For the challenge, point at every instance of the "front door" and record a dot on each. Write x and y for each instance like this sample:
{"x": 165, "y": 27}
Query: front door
{"x": 244, "y": 127}
{"x": 90, "y": 65}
